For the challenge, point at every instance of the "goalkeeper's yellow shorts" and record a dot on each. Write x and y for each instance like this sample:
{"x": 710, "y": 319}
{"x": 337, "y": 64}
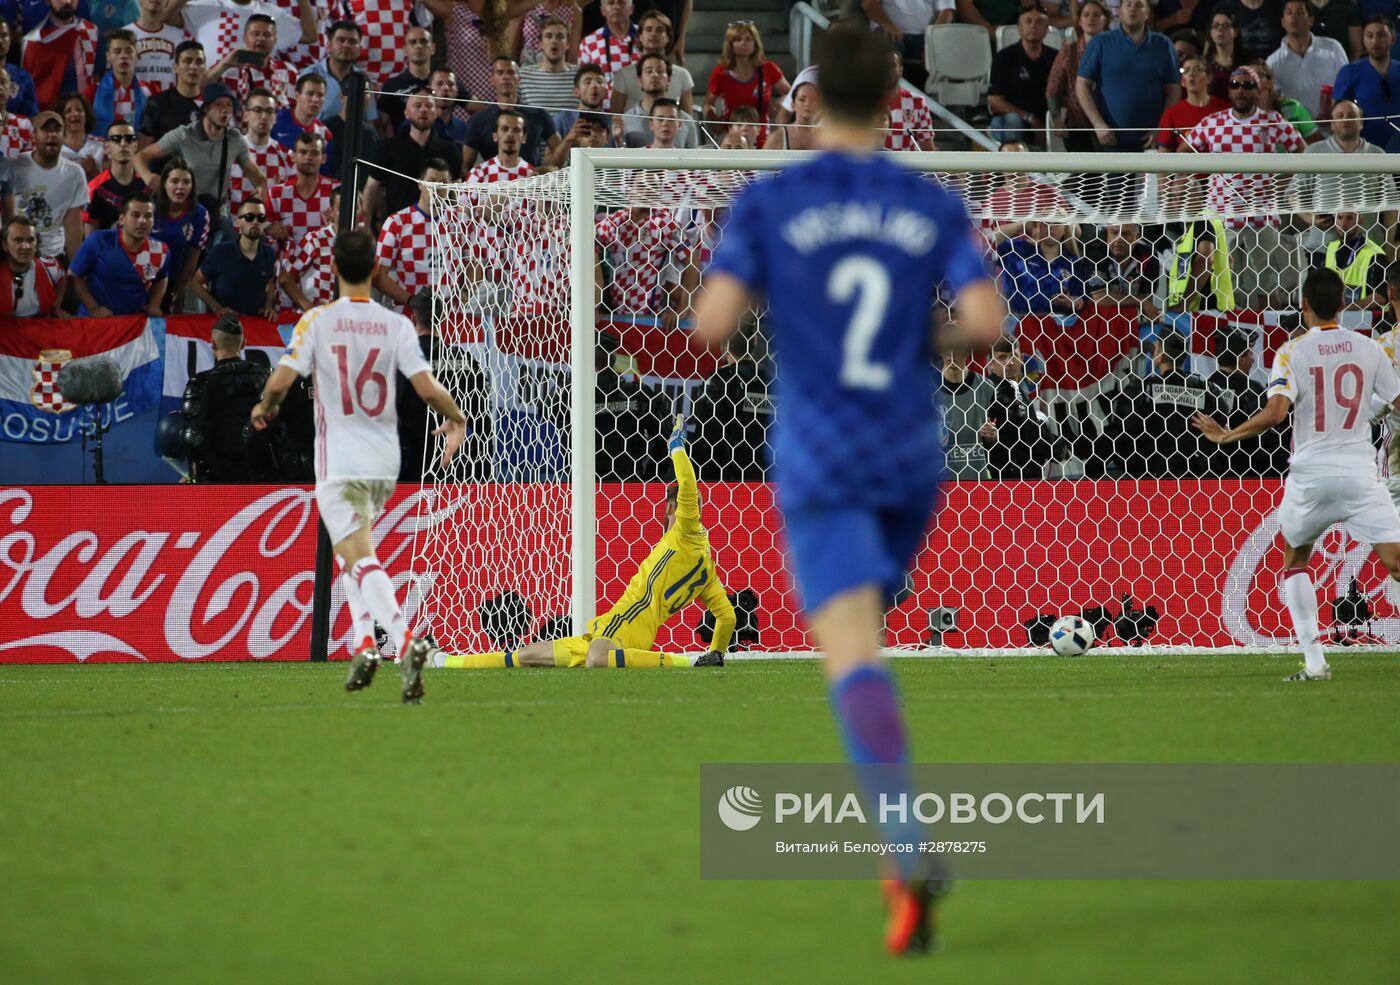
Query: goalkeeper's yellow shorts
{"x": 572, "y": 651}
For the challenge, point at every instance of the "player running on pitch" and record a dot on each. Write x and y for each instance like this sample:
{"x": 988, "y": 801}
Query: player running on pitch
{"x": 1328, "y": 376}
{"x": 849, "y": 251}
{"x": 355, "y": 348}
{"x": 678, "y": 570}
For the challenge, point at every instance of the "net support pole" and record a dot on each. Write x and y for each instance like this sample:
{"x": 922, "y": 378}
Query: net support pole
{"x": 582, "y": 384}
{"x": 325, "y": 560}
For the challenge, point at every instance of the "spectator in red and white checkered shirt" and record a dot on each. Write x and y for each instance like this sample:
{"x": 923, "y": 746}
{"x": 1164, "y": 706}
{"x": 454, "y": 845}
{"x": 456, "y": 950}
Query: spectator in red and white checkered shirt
{"x": 507, "y": 165}
{"x": 613, "y": 46}
{"x": 645, "y": 248}
{"x": 218, "y": 24}
{"x": 253, "y": 65}
{"x": 272, "y": 159}
{"x": 494, "y": 220}
{"x": 299, "y": 205}
{"x": 1263, "y": 257}
{"x": 384, "y": 25}
{"x": 405, "y": 252}
{"x": 305, "y": 277}
{"x": 911, "y": 121}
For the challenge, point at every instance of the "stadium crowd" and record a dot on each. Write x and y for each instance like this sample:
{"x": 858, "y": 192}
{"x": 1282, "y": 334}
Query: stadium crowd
{"x": 162, "y": 156}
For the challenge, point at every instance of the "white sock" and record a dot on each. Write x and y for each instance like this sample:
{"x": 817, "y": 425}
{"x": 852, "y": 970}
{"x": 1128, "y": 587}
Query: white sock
{"x": 1301, "y": 597}
{"x": 378, "y": 593}
{"x": 359, "y": 613}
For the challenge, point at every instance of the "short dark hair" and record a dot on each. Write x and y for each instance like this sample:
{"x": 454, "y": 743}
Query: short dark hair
{"x": 118, "y": 122}
{"x": 342, "y": 25}
{"x": 589, "y": 69}
{"x": 185, "y": 46}
{"x": 140, "y": 198}
{"x": 666, "y": 101}
{"x": 503, "y": 58}
{"x": 310, "y": 77}
{"x": 1322, "y": 290}
{"x": 1173, "y": 345}
{"x": 1232, "y": 345}
{"x": 422, "y": 305}
{"x": 853, "y": 74}
{"x": 1380, "y": 19}
{"x": 653, "y": 57}
{"x": 1307, "y": 7}
{"x": 121, "y": 34}
{"x": 260, "y": 91}
{"x": 258, "y": 19}
{"x": 354, "y": 255}
{"x": 740, "y": 114}
{"x": 18, "y": 220}
{"x": 509, "y": 111}
{"x": 1392, "y": 276}
{"x": 308, "y": 137}
{"x": 433, "y": 164}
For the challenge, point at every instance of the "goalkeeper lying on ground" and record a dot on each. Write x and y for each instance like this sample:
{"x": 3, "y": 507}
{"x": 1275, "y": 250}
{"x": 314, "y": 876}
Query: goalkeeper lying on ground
{"x": 678, "y": 570}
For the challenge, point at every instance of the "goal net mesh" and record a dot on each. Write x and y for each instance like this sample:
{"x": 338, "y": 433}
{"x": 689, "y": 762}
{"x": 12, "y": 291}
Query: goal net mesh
{"x": 1076, "y": 484}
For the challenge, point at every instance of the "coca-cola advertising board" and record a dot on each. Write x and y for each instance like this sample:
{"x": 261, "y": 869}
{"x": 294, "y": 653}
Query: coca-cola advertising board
{"x": 226, "y": 572}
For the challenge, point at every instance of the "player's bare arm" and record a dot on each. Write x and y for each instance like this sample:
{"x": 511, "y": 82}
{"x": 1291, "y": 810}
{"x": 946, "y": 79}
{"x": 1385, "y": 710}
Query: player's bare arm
{"x": 454, "y": 429}
{"x": 1275, "y": 412}
{"x": 720, "y": 307}
{"x": 274, "y": 392}
{"x": 980, "y": 314}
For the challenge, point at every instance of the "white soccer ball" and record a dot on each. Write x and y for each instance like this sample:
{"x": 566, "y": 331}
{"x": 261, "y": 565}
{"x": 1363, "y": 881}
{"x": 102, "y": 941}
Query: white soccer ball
{"x": 1071, "y": 636}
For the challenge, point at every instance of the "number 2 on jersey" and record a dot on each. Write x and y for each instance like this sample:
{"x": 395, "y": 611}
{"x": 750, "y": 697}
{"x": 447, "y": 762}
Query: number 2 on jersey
{"x": 866, "y": 277}
{"x": 1349, "y": 398}
{"x": 366, "y": 376}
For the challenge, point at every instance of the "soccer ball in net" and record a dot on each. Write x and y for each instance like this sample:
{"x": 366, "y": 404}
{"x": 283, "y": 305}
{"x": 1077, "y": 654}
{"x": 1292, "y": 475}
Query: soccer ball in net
{"x": 1071, "y": 636}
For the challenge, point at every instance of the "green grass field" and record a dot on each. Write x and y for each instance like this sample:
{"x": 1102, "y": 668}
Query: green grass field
{"x": 255, "y": 824}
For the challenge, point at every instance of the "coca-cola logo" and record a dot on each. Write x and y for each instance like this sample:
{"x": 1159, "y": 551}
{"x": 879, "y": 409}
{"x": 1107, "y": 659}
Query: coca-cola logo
{"x": 243, "y": 590}
{"x": 1338, "y": 560}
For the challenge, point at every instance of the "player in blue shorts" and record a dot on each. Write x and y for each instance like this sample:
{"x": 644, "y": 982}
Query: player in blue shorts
{"x": 848, "y": 252}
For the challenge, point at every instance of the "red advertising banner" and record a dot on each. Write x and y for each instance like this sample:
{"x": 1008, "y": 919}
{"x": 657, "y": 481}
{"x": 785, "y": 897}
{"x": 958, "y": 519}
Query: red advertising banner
{"x": 225, "y": 572}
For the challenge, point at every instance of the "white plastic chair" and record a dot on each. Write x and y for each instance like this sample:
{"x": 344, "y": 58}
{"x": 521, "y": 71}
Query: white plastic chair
{"x": 958, "y": 58}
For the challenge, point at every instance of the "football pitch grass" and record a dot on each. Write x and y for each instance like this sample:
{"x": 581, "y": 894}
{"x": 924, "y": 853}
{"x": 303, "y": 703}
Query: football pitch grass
{"x": 255, "y": 824}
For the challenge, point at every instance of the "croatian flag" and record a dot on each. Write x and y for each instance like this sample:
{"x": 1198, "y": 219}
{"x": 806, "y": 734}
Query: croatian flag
{"x": 187, "y": 348}
{"x": 34, "y": 350}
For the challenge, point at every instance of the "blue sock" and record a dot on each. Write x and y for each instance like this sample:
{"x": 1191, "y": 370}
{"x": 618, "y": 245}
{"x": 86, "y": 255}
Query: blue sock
{"x": 872, "y": 730}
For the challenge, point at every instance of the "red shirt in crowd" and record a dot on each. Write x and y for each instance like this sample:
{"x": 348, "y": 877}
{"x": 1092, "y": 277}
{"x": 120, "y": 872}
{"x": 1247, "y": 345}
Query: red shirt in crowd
{"x": 1181, "y": 118}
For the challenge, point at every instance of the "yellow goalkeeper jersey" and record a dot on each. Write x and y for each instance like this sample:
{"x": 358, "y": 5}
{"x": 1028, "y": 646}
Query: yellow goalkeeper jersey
{"x": 679, "y": 570}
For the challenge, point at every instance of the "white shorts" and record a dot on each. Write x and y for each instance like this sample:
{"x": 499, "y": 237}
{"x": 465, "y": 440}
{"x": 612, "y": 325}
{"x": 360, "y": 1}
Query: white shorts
{"x": 1312, "y": 503}
{"x": 348, "y": 504}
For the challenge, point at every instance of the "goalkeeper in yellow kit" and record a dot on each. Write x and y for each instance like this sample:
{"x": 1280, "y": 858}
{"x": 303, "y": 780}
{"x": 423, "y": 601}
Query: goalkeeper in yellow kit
{"x": 679, "y": 570}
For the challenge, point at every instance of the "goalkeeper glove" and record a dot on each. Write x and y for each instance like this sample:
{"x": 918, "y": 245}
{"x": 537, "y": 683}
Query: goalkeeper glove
{"x": 677, "y": 442}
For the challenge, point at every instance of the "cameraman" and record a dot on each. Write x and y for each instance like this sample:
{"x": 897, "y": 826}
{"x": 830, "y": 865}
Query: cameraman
{"x": 217, "y": 405}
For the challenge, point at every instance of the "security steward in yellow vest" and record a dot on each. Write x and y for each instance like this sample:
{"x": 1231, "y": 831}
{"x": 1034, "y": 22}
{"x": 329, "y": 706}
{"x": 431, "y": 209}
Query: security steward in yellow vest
{"x": 1359, "y": 261}
{"x": 1199, "y": 278}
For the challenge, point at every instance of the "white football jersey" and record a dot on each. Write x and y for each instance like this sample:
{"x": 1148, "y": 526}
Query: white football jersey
{"x": 355, "y": 348}
{"x": 1330, "y": 375}
{"x": 1390, "y": 460}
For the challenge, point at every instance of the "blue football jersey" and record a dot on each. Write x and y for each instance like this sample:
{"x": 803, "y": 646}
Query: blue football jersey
{"x": 849, "y": 251}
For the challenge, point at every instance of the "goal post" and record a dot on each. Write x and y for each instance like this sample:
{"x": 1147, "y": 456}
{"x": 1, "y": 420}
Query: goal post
{"x": 1142, "y": 288}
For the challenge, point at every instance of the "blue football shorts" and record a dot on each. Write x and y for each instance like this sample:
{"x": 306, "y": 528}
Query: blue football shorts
{"x": 836, "y": 549}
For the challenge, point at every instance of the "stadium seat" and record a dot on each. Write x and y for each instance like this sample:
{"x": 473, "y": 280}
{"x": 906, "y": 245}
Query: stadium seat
{"x": 1055, "y": 37}
{"x": 959, "y": 62}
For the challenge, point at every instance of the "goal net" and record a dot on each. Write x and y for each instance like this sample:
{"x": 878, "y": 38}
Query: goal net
{"x": 1141, "y": 289}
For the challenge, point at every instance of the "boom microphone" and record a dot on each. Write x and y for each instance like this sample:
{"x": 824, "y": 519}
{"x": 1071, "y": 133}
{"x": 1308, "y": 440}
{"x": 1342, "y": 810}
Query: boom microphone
{"x": 90, "y": 380}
